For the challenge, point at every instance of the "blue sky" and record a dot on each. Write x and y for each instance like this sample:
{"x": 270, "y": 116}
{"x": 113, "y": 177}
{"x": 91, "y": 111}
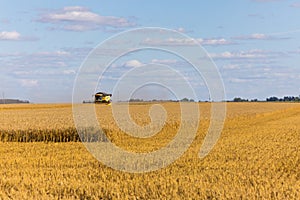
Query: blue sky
{"x": 255, "y": 44}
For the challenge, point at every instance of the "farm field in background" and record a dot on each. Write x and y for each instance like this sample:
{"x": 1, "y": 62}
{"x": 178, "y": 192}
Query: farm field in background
{"x": 256, "y": 157}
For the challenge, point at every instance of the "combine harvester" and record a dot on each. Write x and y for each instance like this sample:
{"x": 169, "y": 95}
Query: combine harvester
{"x": 101, "y": 97}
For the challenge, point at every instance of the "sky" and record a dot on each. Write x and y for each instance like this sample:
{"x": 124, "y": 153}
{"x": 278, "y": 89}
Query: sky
{"x": 254, "y": 44}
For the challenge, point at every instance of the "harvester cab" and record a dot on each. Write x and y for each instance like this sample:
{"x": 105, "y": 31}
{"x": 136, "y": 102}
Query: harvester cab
{"x": 101, "y": 97}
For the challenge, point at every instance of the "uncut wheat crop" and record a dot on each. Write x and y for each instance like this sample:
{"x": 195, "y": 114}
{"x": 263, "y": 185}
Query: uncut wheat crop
{"x": 256, "y": 157}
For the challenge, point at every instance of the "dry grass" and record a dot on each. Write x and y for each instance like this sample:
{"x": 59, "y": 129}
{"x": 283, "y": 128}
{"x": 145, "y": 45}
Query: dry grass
{"x": 257, "y": 156}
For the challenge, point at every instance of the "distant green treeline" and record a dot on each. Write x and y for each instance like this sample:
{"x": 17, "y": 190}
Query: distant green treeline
{"x": 12, "y": 101}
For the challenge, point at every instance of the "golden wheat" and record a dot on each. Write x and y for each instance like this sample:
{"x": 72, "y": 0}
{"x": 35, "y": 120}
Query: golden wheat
{"x": 257, "y": 156}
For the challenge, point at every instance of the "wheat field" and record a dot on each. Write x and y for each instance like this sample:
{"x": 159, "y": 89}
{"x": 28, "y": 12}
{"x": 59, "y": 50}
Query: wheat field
{"x": 256, "y": 157}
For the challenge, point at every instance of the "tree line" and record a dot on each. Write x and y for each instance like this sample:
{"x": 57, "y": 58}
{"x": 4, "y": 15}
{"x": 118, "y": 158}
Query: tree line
{"x": 155, "y": 100}
{"x": 12, "y": 101}
{"x": 286, "y": 98}
{"x": 270, "y": 99}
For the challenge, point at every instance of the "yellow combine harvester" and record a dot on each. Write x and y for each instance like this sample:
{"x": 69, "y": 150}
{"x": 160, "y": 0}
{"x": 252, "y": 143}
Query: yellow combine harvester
{"x": 101, "y": 97}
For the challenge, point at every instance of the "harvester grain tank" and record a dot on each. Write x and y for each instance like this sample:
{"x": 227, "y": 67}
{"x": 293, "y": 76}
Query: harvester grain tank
{"x": 102, "y": 97}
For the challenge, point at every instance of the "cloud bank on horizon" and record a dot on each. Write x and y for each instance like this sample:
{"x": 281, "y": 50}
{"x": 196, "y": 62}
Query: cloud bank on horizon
{"x": 254, "y": 43}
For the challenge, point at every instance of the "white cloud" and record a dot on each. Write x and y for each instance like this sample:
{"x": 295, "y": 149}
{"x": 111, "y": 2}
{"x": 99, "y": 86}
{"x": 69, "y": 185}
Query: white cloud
{"x": 50, "y": 53}
{"x": 259, "y": 36}
{"x": 75, "y": 8}
{"x": 294, "y": 51}
{"x": 295, "y": 5}
{"x": 236, "y": 55}
{"x": 13, "y": 35}
{"x": 11, "y": 54}
{"x": 220, "y": 41}
{"x": 182, "y": 30}
{"x": 250, "y": 54}
{"x": 21, "y": 73}
{"x": 4, "y": 21}
{"x": 286, "y": 75}
{"x": 187, "y": 42}
{"x": 76, "y": 18}
{"x": 133, "y": 63}
{"x": 231, "y": 66}
{"x": 43, "y": 62}
{"x": 239, "y": 80}
{"x": 29, "y": 82}
{"x": 79, "y": 27}
{"x": 69, "y": 71}
{"x": 263, "y": 1}
{"x": 164, "y": 61}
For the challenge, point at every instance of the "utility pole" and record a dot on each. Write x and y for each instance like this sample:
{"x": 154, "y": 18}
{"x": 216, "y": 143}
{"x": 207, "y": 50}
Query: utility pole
{"x": 3, "y": 99}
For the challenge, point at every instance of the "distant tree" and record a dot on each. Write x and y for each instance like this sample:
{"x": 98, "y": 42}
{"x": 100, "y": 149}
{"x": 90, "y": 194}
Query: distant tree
{"x": 184, "y": 100}
{"x": 284, "y": 99}
{"x": 288, "y": 98}
{"x": 136, "y": 100}
{"x": 239, "y": 99}
{"x": 272, "y": 99}
{"x": 13, "y": 101}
